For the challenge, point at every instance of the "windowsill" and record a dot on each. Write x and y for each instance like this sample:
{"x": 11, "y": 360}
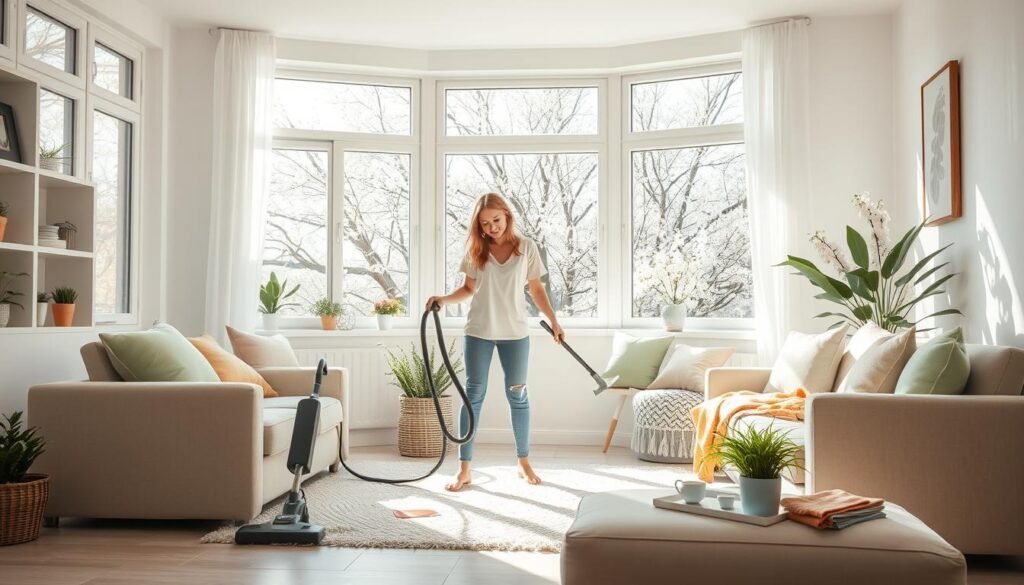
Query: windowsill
{"x": 730, "y": 334}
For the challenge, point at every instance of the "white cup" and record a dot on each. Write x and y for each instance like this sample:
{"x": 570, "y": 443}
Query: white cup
{"x": 691, "y": 490}
{"x": 726, "y": 501}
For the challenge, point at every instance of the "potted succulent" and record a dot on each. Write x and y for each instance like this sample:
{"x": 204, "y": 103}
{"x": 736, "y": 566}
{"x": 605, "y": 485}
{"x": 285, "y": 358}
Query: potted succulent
{"x": 328, "y": 311}
{"x": 23, "y": 495}
{"x": 42, "y": 307}
{"x": 418, "y": 432}
{"x": 64, "y": 298}
{"x": 51, "y": 157}
{"x": 385, "y": 310}
{"x": 760, "y": 457}
{"x": 3, "y": 219}
{"x": 271, "y": 295}
{"x": 8, "y": 295}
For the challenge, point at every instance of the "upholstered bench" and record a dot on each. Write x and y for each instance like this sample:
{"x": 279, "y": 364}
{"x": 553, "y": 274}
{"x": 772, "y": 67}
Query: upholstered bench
{"x": 620, "y": 537}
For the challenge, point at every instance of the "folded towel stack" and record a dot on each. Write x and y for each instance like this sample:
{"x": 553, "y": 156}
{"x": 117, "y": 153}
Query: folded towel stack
{"x": 833, "y": 509}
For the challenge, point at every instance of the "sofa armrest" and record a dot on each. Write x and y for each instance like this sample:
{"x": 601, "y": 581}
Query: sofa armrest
{"x": 950, "y": 460}
{"x": 150, "y": 450}
{"x": 718, "y": 381}
{"x": 292, "y": 381}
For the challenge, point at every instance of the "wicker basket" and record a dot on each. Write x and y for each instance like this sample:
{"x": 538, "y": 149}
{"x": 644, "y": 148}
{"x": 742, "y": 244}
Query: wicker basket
{"x": 21, "y": 508}
{"x": 418, "y": 432}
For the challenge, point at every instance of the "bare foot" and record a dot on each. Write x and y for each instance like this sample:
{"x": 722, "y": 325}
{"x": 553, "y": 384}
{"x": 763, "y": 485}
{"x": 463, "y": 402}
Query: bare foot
{"x": 526, "y": 472}
{"x": 462, "y": 478}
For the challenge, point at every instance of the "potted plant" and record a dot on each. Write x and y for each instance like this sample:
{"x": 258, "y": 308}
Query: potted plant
{"x": 8, "y": 295}
{"x": 42, "y": 306}
{"x": 3, "y": 219}
{"x": 23, "y": 495}
{"x": 670, "y": 272}
{"x": 760, "y": 457}
{"x": 328, "y": 311}
{"x": 385, "y": 310}
{"x": 51, "y": 157}
{"x": 418, "y": 432}
{"x": 271, "y": 295}
{"x": 64, "y": 298}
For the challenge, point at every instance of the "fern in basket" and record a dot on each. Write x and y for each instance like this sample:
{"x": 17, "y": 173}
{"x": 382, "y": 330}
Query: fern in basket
{"x": 18, "y": 449}
{"x": 410, "y": 373}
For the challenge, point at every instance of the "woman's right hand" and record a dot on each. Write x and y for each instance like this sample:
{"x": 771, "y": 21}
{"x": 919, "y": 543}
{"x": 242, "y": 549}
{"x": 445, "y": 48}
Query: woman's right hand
{"x": 432, "y": 300}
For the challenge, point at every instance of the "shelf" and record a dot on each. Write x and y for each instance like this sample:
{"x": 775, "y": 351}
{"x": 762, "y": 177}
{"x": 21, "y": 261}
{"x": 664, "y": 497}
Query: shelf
{"x": 11, "y": 167}
{"x": 55, "y": 180}
{"x": 16, "y": 247}
{"x": 47, "y": 251}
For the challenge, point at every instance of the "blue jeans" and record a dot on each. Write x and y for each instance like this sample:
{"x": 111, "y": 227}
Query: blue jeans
{"x": 514, "y": 355}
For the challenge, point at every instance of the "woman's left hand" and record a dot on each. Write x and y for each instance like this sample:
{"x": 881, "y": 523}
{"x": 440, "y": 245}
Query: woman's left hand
{"x": 558, "y": 332}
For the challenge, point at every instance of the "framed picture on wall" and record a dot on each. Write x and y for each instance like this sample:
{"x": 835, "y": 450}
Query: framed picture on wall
{"x": 940, "y": 144}
{"x": 9, "y": 147}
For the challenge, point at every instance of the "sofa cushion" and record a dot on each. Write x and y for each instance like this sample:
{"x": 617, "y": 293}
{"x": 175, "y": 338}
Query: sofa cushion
{"x": 866, "y": 336}
{"x": 995, "y": 370}
{"x": 684, "y": 366}
{"x": 228, "y": 367}
{"x": 938, "y": 367}
{"x": 97, "y": 363}
{"x": 878, "y": 369}
{"x": 261, "y": 351}
{"x": 279, "y": 420}
{"x": 635, "y": 360}
{"x": 794, "y": 429}
{"x": 808, "y": 361}
{"x": 159, "y": 354}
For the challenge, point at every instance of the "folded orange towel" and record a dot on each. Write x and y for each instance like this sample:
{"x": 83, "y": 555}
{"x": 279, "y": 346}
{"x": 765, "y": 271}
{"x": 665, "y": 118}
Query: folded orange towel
{"x": 818, "y": 508}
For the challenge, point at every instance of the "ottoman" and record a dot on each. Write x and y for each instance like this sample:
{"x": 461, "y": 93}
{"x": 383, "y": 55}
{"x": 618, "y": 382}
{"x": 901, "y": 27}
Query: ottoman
{"x": 620, "y": 537}
{"x": 663, "y": 431}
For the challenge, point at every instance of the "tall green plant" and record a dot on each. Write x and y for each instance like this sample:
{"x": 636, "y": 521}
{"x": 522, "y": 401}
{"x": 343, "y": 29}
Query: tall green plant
{"x": 18, "y": 449}
{"x": 410, "y": 373}
{"x": 8, "y": 294}
{"x": 272, "y": 293}
{"x": 873, "y": 289}
{"x": 757, "y": 454}
{"x": 64, "y": 295}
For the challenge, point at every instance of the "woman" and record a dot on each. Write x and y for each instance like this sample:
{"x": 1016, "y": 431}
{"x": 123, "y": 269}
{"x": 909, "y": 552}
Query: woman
{"x": 497, "y": 263}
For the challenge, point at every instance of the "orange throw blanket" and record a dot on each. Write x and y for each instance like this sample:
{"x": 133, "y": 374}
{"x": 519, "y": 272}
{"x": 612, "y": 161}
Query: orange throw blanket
{"x": 817, "y": 509}
{"x": 711, "y": 420}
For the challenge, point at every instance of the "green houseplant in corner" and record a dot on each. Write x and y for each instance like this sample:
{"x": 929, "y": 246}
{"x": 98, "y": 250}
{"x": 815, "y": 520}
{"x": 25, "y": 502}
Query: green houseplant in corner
{"x": 8, "y": 295}
{"x": 64, "y": 298}
{"x": 328, "y": 311}
{"x": 760, "y": 457}
{"x": 23, "y": 495}
{"x": 418, "y": 432}
{"x": 271, "y": 295}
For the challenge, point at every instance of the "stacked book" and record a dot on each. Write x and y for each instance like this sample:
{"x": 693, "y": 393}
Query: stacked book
{"x": 48, "y": 236}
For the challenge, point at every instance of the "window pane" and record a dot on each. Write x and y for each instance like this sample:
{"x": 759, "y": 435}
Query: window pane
{"x": 49, "y": 40}
{"x": 376, "y": 228}
{"x": 111, "y": 173}
{"x": 295, "y": 232}
{"x": 112, "y": 71}
{"x": 521, "y": 112}
{"x": 690, "y": 220}
{"x": 687, "y": 103}
{"x": 342, "y": 107}
{"x": 554, "y": 198}
{"x": 56, "y": 131}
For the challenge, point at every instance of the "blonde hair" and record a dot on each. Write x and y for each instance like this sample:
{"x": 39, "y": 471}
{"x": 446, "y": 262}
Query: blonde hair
{"x": 478, "y": 246}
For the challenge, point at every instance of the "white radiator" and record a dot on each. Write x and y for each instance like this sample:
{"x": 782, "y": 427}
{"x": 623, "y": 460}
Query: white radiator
{"x": 372, "y": 399}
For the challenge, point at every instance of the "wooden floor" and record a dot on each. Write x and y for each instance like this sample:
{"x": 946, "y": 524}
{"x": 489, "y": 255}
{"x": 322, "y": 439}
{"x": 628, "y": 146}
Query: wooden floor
{"x": 140, "y": 553}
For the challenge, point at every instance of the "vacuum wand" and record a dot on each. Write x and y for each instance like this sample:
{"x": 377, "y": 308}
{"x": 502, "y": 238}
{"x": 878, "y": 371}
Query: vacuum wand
{"x": 602, "y": 384}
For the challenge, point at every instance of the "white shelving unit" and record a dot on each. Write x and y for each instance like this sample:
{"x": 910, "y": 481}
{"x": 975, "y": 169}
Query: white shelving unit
{"x": 41, "y": 197}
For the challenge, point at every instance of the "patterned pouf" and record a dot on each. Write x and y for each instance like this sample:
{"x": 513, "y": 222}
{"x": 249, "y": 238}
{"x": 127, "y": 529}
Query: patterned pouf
{"x": 663, "y": 431}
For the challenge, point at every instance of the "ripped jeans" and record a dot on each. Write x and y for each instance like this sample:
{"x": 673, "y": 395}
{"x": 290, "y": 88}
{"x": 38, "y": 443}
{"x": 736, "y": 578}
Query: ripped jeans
{"x": 514, "y": 355}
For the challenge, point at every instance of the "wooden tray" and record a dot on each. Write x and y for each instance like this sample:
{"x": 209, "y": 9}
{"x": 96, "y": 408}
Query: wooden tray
{"x": 709, "y": 507}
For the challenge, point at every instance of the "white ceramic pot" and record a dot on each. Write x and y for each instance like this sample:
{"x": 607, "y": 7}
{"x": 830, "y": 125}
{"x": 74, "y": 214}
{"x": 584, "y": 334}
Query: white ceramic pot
{"x": 760, "y": 497}
{"x": 41, "y": 310}
{"x": 673, "y": 316}
{"x": 52, "y": 164}
{"x": 384, "y": 322}
{"x": 270, "y": 321}
{"x": 5, "y": 314}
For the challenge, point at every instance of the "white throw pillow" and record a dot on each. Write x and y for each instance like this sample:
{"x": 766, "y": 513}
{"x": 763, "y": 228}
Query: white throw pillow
{"x": 866, "y": 336}
{"x": 684, "y": 366}
{"x": 262, "y": 352}
{"x": 879, "y": 368}
{"x": 808, "y": 361}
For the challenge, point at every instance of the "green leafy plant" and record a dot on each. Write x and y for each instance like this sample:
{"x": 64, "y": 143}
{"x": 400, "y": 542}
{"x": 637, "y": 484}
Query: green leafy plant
{"x": 872, "y": 289}
{"x": 64, "y": 295}
{"x": 8, "y": 294}
{"x": 43, "y": 297}
{"x": 410, "y": 373}
{"x": 3, "y": 208}
{"x": 51, "y": 151}
{"x": 272, "y": 293}
{"x": 388, "y": 307}
{"x": 325, "y": 307}
{"x": 18, "y": 449}
{"x": 757, "y": 454}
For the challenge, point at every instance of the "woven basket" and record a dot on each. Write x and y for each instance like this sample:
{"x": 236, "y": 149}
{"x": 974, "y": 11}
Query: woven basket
{"x": 418, "y": 432}
{"x": 21, "y": 508}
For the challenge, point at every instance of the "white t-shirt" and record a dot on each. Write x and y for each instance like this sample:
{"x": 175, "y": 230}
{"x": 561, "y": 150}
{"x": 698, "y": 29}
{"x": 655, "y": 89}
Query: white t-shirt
{"x": 498, "y": 308}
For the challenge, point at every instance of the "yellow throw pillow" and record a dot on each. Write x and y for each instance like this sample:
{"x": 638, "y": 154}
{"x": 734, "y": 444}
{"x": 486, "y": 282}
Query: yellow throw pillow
{"x": 228, "y": 367}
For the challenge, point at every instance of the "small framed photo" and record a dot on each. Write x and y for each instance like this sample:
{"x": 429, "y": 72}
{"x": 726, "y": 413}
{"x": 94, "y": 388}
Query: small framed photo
{"x": 940, "y": 145}
{"x": 10, "y": 149}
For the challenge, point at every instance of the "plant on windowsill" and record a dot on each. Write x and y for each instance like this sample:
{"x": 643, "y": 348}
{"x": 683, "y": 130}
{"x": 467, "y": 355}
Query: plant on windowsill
{"x": 23, "y": 495}
{"x": 271, "y": 295}
{"x": 52, "y": 157}
{"x": 385, "y": 310}
{"x": 670, "y": 272}
{"x": 760, "y": 457}
{"x": 64, "y": 298}
{"x": 8, "y": 295}
{"x": 328, "y": 311}
{"x": 42, "y": 307}
{"x": 3, "y": 219}
{"x": 418, "y": 432}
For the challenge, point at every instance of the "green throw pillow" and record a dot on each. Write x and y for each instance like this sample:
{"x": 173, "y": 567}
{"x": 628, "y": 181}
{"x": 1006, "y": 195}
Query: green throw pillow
{"x": 161, "y": 354}
{"x": 635, "y": 360}
{"x": 937, "y": 367}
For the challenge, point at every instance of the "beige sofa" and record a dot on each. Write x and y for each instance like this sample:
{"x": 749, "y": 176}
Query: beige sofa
{"x": 118, "y": 449}
{"x": 952, "y": 461}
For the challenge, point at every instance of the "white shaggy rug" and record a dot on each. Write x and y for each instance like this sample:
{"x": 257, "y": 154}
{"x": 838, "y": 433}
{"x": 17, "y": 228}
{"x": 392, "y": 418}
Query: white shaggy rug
{"x": 498, "y": 512}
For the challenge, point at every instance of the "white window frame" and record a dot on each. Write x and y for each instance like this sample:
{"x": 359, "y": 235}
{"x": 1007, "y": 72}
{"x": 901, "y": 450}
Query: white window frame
{"x": 102, "y": 35}
{"x": 8, "y": 48}
{"x": 663, "y": 139}
{"x": 68, "y": 18}
{"x": 78, "y": 139}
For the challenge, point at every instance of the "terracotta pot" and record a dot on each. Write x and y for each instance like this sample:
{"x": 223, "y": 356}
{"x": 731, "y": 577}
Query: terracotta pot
{"x": 3, "y": 227}
{"x": 21, "y": 507}
{"x": 63, "y": 314}
{"x": 328, "y": 322}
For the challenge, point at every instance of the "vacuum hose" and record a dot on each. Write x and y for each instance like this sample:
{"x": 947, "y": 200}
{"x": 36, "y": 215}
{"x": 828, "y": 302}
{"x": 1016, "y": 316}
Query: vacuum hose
{"x": 447, "y": 434}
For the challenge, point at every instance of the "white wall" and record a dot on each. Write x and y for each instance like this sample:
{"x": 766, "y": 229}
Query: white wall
{"x": 986, "y": 37}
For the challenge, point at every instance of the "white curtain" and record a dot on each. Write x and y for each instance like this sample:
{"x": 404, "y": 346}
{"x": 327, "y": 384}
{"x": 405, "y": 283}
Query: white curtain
{"x": 776, "y": 133}
{"x": 242, "y": 143}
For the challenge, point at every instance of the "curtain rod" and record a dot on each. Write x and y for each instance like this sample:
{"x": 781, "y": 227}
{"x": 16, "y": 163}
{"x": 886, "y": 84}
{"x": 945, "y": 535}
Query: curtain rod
{"x": 804, "y": 19}
{"x": 214, "y": 29}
